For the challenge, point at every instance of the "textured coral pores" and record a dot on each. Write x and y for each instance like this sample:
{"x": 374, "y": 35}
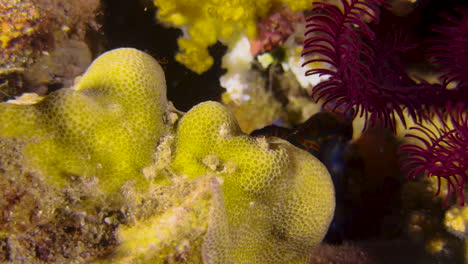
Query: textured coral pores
{"x": 268, "y": 201}
{"x": 276, "y": 200}
{"x": 107, "y": 126}
{"x": 209, "y": 130}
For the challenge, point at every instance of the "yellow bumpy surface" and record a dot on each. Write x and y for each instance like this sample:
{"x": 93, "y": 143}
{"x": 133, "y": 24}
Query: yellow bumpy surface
{"x": 227, "y": 197}
{"x": 106, "y": 127}
{"x": 275, "y": 201}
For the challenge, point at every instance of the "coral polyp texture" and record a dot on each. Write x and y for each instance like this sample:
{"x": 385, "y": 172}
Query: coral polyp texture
{"x": 271, "y": 189}
{"x": 205, "y": 22}
{"x": 108, "y": 160}
{"x": 106, "y": 126}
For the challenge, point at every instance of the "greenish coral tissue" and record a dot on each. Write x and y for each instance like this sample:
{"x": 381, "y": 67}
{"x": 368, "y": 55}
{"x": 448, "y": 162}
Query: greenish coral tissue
{"x": 211, "y": 193}
{"x": 106, "y": 126}
{"x": 276, "y": 201}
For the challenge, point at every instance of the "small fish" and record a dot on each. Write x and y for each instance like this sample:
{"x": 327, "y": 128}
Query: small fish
{"x": 320, "y": 133}
{"x": 272, "y": 131}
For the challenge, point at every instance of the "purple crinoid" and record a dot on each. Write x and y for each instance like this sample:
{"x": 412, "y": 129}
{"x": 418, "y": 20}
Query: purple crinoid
{"x": 339, "y": 37}
{"x": 366, "y": 73}
{"x": 444, "y": 149}
{"x": 450, "y": 50}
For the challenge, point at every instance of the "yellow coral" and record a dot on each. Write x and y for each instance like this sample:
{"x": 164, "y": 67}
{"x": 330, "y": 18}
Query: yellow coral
{"x": 242, "y": 199}
{"x": 210, "y": 20}
{"x": 176, "y": 233}
{"x": 107, "y": 126}
{"x": 271, "y": 190}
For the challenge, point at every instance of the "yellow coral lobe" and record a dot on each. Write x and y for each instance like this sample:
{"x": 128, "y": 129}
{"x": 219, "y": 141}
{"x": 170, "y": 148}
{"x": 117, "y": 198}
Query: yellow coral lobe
{"x": 277, "y": 200}
{"x": 106, "y": 127}
{"x": 226, "y": 197}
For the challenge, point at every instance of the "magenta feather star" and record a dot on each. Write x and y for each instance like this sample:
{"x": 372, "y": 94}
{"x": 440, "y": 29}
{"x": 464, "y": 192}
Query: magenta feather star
{"x": 366, "y": 73}
{"x": 444, "y": 153}
{"x": 450, "y": 50}
{"x": 339, "y": 37}
{"x": 444, "y": 150}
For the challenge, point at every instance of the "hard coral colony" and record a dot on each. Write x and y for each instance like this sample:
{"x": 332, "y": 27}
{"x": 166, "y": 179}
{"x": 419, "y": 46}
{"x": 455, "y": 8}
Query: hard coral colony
{"x": 109, "y": 171}
{"x": 232, "y": 198}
